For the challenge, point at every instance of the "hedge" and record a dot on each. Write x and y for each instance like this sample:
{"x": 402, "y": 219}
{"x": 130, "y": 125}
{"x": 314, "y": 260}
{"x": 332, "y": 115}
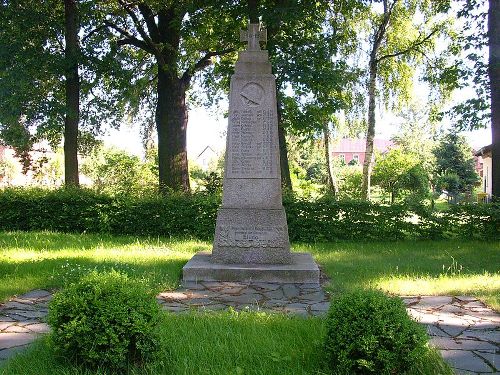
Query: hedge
{"x": 326, "y": 219}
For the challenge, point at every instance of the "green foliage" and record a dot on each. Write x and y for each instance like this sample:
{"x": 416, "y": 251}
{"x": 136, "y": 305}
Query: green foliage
{"x": 207, "y": 181}
{"x": 115, "y": 172}
{"x": 177, "y": 215}
{"x": 370, "y": 333}
{"x": 105, "y": 321}
{"x": 449, "y": 182}
{"x": 469, "y": 68}
{"x": 212, "y": 183}
{"x": 401, "y": 37}
{"x": 48, "y": 171}
{"x": 455, "y": 165}
{"x": 32, "y": 62}
{"x": 307, "y": 166}
{"x": 400, "y": 173}
{"x": 8, "y": 171}
{"x": 350, "y": 180}
{"x": 417, "y": 135}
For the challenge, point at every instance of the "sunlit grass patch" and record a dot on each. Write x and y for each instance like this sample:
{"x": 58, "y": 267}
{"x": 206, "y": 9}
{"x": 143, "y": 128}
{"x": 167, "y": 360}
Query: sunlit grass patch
{"x": 49, "y": 260}
{"x": 241, "y": 343}
{"x": 486, "y": 286}
{"x": 413, "y": 267}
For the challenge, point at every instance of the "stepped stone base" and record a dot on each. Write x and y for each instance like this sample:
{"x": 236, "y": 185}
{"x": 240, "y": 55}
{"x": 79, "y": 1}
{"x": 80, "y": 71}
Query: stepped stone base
{"x": 302, "y": 269}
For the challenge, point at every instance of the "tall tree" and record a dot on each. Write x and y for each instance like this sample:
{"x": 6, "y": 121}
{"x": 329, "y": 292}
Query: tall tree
{"x": 48, "y": 75}
{"x": 169, "y": 42}
{"x": 469, "y": 68}
{"x": 455, "y": 164}
{"x": 399, "y": 172}
{"x": 398, "y": 42}
{"x": 332, "y": 180}
{"x": 26, "y": 73}
{"x": 401, "y": 36}
{"x": 72, "y": 91}
{"x": 494, "y": 75}
{"x": 472, "y": 69}
{"x": 304, "y": 46}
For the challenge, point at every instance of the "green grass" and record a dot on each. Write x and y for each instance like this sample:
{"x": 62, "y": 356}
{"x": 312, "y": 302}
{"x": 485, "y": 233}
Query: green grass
{"x": 244, "y": 343}
{"x": 413, "y": 267}
{"x": 48, "y": 260}
{"x": 222, "y": 343}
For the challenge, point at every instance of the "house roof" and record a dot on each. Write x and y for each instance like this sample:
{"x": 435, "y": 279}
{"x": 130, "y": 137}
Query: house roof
{"x": 484, "y": 151}
{"x": 359, "y": 145}
{"x": 206, "y": 149}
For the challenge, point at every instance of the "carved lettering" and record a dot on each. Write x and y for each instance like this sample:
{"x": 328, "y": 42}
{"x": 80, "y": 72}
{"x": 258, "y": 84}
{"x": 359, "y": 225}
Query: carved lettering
{"x": 250, "y": 148}
{"x": 241, "y": 236}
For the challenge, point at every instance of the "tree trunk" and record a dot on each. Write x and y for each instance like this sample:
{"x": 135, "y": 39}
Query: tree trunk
{"x": 171, "y": 124}
{"x": 494, "y": 74}
{"x": 286, "y": 180}
{"x": 72, "y": 90}
{"x": 332, "y": 181}
{"x": 370, "y": 134}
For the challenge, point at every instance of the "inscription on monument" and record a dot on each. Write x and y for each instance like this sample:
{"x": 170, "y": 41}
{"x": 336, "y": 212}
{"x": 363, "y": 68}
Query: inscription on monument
{"x": 244, "y": 236}
{"x": 251, "y": 141}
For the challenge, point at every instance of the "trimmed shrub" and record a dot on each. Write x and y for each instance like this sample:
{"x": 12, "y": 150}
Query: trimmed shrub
{"x": 182, "y": 215}
{"x": 105, "y": 321}
{"x": 371, "y": 333}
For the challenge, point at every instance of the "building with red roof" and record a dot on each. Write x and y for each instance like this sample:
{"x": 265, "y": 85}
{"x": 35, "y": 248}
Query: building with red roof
{"x": 353, "y": 150}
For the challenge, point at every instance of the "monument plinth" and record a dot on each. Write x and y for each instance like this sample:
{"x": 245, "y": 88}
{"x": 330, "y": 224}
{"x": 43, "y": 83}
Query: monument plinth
{"x": 251, "y": 235}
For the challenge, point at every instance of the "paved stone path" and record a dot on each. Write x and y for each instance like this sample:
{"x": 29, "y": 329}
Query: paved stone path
{"x": 466, "y": 332}
{"x": 21, "y": 321}
{"x": 301, "y": 299}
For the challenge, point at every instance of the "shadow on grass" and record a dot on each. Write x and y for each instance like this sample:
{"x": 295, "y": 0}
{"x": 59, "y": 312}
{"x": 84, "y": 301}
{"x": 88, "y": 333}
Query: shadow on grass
{"x": 53, "y": 241}
{"x": 413, "y": 267}
{"x": 21, "y": 277}
{"x": 221, "y": 343}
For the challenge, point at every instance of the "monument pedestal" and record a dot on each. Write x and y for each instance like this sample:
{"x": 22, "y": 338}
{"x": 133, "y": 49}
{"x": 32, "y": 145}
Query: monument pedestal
{"x": 302, "y": 270}
{"x": 251, "y": 235}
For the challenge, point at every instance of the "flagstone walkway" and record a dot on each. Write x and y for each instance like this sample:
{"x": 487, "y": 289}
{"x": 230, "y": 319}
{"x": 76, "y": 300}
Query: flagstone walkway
{"x": 466, "y": 332}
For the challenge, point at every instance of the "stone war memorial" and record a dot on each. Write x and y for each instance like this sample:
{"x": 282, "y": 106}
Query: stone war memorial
{"x": 251, "y": 236}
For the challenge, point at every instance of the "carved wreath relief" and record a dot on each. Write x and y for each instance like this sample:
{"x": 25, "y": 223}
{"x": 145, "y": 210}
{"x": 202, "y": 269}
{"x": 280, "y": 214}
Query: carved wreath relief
{"x": 252, "y": 94}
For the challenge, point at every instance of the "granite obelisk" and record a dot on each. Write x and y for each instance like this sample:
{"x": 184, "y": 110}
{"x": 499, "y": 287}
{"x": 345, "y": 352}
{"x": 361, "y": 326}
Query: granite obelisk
{"x": 251, "y": 224}
{"x": 251, "y": 235}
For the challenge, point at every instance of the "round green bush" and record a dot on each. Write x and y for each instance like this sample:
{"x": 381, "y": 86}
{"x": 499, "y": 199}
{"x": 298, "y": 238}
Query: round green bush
{"x": 105, "y": 320}
{"x": 371, "y": 333}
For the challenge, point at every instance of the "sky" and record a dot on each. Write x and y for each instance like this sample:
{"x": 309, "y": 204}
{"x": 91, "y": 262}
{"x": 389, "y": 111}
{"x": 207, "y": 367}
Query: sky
{"x": 208, "y": 129}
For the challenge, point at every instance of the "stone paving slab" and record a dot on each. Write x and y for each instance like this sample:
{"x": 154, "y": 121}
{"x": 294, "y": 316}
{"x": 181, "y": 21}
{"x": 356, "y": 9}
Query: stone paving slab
{"x": 299, "y": 299}
{"x": 463, "y": 329}
{"x": 21, "y": 321}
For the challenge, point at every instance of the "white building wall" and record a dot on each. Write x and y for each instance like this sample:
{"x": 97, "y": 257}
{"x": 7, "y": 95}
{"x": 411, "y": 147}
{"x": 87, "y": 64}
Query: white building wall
{"x": 486, "y": 183}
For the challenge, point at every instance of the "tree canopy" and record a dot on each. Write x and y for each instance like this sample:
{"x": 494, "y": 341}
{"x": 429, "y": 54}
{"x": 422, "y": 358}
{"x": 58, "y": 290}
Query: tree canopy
{"x": 455, "y": 165}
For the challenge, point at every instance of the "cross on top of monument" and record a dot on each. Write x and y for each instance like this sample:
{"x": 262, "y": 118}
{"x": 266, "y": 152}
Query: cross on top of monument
{"x": 253, "y": 36}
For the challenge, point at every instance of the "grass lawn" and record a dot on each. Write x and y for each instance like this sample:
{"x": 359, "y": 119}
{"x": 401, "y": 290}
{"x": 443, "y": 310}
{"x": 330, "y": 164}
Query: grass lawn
{"x": 242, "y": 343}
{"x": 413, "y": 267}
